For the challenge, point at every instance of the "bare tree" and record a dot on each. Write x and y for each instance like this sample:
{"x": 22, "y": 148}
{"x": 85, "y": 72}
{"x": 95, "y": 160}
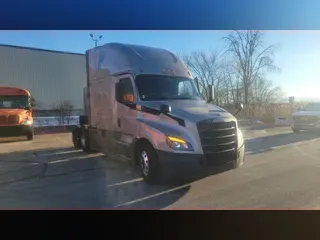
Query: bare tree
{"x": 264, "y": 92}
{"x": 205, "y": 66}
{"x": 68, "y": 108}
{"x": 231, "y": 83}
{"x": 250, "y": 56}
{"x": 239, "y": 74}
{"x": 64, "y": 111}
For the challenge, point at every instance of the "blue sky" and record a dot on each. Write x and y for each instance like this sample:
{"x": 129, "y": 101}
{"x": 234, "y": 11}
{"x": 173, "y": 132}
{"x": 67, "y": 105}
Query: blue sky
{"x": 298, "y": 54}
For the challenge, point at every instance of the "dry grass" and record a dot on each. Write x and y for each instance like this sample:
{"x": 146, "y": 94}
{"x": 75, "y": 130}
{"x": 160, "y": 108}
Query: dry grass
{"x": 266, "y": 112}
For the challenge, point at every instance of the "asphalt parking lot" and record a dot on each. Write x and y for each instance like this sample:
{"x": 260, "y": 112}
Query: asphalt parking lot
{"x": 281, "y": 171}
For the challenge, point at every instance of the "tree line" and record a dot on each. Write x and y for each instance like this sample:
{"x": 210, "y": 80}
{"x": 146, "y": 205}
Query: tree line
{"x": 238, "y": 72}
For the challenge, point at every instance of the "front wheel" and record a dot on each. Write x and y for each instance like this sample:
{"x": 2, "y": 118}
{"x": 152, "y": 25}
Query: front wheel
{"x": 149, "y": 165}
{"x": 240, "y": 159}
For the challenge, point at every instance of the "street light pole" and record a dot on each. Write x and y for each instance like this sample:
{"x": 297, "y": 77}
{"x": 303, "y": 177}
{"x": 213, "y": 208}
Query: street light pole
{"x": 96, "y": 40}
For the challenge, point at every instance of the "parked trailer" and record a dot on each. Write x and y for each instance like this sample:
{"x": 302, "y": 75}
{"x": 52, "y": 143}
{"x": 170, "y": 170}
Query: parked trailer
{"x": 142, "y": 105}
{"x": 15, "y": 113}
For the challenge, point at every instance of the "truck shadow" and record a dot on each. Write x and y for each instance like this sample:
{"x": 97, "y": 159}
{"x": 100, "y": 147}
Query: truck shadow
{"x": 268, "y": 143}
{"x": 12, "y": 139}
{"x": 66, "y": 178}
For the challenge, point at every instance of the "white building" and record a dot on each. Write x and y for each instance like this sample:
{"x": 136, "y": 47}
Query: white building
{"x": 51, "y": 76}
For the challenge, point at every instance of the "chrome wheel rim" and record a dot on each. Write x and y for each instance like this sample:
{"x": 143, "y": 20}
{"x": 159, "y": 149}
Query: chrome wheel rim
{"x": 144, "y": 161}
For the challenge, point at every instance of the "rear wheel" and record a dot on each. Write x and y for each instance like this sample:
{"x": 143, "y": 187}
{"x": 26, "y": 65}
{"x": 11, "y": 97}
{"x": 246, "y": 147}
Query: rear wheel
{"x": 85, "y": 141}
{"x": 149, "y": 164}
{"x": 76, "y": 138}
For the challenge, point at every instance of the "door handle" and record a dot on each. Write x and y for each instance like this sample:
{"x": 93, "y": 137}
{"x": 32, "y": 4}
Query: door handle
{"x": 119, "y": 122}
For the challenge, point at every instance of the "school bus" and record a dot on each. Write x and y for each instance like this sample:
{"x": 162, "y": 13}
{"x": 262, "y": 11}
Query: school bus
{"x": 15, "y": 113}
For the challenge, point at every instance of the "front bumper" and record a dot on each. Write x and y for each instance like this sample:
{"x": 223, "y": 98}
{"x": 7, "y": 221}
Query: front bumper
{"x": 187, "y": 161}
{"x": 15, "y": 131}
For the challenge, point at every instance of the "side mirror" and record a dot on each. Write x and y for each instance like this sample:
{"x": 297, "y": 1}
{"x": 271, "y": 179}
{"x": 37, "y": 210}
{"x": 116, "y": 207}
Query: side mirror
{"x": 239, "y": 107}
{"x": 27, "y": 108}
{"x": 164, "y": 108}
{"x": 211, "y": 93}
{"x": 131, "y": 105}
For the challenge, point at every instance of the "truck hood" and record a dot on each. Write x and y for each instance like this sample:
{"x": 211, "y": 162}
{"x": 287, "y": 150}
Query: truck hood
{"x": 192, "y": 110}
{"x": 307, "y": 113}
{"x": 11, "y": 111}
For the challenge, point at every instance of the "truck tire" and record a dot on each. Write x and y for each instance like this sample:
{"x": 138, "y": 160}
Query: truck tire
{"x": 149, "y": 164}
{"x": 30, "y": 136}
{"x": 240, "y": 159}
{"x": 239, "y": 162}
{"x": 84, "y": 140}
{"x": 76, "y": 138}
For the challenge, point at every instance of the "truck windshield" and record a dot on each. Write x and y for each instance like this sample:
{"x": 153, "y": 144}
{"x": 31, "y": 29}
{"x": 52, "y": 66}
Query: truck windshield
{"x": 14, "y": 102}
{"x": 157, "y": 87}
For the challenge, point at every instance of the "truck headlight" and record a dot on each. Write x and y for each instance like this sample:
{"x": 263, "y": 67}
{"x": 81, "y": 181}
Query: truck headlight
{"x": 240, "y": 138}
{"x": 27, "y": 122}
{"x": 178, "y": 144}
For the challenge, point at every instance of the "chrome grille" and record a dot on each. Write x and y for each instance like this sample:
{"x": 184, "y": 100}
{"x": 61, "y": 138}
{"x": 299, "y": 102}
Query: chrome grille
{"x": 219, "y": 140}
{"x": 3, "y": 119}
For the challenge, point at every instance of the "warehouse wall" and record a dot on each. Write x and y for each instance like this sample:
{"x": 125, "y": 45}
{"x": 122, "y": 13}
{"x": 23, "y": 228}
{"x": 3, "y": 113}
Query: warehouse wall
{"x": 51, "y": 77}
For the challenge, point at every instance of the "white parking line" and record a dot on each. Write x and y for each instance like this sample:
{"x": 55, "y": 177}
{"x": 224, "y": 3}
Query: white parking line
{"x": 62, "y": 140}
{"x": 60, "y": 161}
{"x": 125, "y": 182}
{"x": 57, "y": 153}
{"x": 151, "y": 196}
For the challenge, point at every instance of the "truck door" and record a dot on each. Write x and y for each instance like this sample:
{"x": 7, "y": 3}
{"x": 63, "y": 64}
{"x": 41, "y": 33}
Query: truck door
{"x": 125, "y": 118}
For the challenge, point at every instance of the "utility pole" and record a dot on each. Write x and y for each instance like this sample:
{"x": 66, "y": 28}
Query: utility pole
{"x": 96, "y": 40}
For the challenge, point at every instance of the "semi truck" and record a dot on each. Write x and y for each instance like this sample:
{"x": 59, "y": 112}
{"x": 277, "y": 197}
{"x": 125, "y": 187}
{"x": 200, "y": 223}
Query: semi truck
{"x": 141, "y": 104}
{"x": 15, "y": 113}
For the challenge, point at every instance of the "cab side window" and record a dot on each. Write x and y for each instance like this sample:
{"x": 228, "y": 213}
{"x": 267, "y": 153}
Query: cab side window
{"x": 124, "y": 91}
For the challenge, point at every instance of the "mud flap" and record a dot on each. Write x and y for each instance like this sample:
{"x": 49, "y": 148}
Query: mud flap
{"x": 76, "y": 138}
{"x": 133, "y": 162}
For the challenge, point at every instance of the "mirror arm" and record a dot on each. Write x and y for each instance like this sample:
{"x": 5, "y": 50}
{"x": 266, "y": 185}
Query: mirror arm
{"x": 130, "y": 105}
{"x": 237, "y": 112}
